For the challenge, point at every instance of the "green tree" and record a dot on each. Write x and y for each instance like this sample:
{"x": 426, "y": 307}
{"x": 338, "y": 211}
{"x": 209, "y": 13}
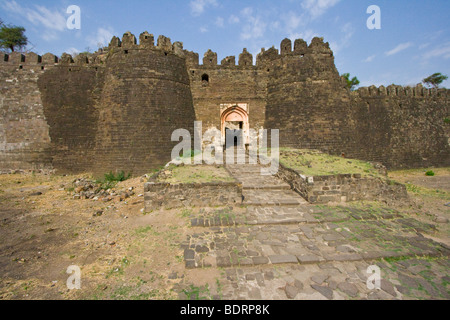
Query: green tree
{"x": 351, "y": 83}
{"x": 435, "y": 80}
{"x": 12, "y": 37}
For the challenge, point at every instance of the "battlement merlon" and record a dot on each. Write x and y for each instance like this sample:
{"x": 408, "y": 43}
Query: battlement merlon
{"x": 164, "y": 44}
{"x": 30, "y": 58}
{"x": 401, "y": 91}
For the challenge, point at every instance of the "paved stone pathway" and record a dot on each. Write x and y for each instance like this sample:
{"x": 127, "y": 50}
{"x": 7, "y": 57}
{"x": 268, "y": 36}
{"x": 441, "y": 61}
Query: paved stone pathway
{"x": 284, "y": 248}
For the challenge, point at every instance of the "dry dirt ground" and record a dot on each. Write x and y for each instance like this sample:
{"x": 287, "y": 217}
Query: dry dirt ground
{"x": 125, "y": 253}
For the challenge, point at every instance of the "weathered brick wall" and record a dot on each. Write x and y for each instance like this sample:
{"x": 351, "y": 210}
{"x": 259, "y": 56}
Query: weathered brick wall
{"x": 307, "y": 100}
{"x": 341, "y": 187}
{"x": 228, "y": 83}
{"x": 24, "y": 132}
{"x": 167, "y": 196}
{"x": 69, "y": 97}
{"x": 105, "y": 112}
{"x": 400, "y": 127}
{"x": 145, "y": 98}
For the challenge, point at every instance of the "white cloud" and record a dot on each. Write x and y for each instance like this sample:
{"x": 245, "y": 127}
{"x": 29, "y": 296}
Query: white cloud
{"x": 203, "y": 29}
{"x": 233, "y": 19}
{"x": 399, "y": 48}
{"x": 370, "y": 59}
{"x": 220, "y": 22}
{"x": 306, "y": 35}
{"x": 53, "y": 21}
{"x": 293, "y": 21}
{"x": 199, "y": 6}
{"x": 73, "y": 51}
{"x": 348, "y": 32}
{"x": 101, "y": 38}
{"x": 443, "y": 52}
{"x": 318, "y": 7}
{"x": 247, "y": 11}
{"x": 255, "y": 26}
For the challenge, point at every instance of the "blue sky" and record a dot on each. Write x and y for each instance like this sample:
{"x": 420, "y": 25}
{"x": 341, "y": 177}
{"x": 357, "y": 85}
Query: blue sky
{"x": 414, "y": 40}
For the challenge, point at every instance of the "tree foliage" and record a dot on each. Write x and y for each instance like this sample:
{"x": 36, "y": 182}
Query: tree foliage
{"x": 435, "y": 79}
{"x": 351, "y": 83}
{"x": 12, "y": 37}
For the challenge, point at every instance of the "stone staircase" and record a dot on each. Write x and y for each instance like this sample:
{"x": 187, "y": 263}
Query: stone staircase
{"x": 263, "y": 190}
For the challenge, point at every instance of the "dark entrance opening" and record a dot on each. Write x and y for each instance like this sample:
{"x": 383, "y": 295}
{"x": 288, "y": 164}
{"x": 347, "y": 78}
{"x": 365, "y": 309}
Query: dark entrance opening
{"x": 234, "y": 134}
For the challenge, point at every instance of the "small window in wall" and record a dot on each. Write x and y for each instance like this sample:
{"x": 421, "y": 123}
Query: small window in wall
{"x": 205, "y": 78}
{"x": 125, "y": 51}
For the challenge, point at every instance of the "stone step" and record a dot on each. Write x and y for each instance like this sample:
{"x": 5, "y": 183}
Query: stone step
{"x": 272, "y": 197}
{"x": 252, "y": 186}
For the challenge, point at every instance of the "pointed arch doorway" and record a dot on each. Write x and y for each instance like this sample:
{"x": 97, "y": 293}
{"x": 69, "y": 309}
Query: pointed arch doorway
{"x": 235, "y": 125}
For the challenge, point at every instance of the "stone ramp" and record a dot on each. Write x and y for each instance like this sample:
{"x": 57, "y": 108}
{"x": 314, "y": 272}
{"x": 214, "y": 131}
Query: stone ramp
{"x": 251, "y": 178}
{"x": 263, "y": 190}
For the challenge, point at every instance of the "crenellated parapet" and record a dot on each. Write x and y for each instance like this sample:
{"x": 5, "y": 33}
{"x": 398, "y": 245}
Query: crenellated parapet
{"x": 29, "y": 60}
{"x": 286, "y": 47}
{"x": 129, "y": 43}
{"x": 229, "y": 61}
{"x": 192, "y": 58}
{"x": 146, "y": 40}
{"x": 210, "y": 58}
{"x": 318, "y": 46}
{"x": 245, "y": 59}
{"x": 267, "y": 56}
{"x": 129, "y": 40}
{"x": 300, "y": 47}
{"x": 49, "y": 58}
{"x": 400, "y": 91}
{"x": 163, "y": 45}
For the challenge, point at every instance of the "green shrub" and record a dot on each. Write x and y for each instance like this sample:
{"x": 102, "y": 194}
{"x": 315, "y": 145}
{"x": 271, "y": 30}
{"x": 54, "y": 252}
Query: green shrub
{"x": 429, "y": 173}
{"x": 447, "y": 120}
{"x": 111, "y": 177}
{"x": 110, "y": 180}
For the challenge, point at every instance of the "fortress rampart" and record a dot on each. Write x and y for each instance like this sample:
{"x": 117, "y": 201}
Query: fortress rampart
{"x": 117, "y": 108}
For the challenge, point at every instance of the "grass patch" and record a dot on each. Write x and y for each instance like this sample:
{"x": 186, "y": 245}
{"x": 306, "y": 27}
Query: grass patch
{"x": 316, "y": 163}
{"x": 427, "y": 192}
{"x": 119, "y": 270}
{"x": 197, "y": 293}
{"x": 186, "y": 213}
{"x": 195, "y": 174}
{"x": 143, "y": 231}
{"x": 419, "y": 172}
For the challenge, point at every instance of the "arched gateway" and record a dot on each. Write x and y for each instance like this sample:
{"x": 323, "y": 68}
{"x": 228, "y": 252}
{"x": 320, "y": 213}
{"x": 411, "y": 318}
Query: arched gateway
{"x": 235, "y": 118}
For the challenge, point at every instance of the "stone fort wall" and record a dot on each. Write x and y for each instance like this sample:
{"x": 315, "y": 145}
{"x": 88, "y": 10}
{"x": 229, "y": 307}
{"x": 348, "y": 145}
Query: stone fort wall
{"x": 116, "y": 109}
